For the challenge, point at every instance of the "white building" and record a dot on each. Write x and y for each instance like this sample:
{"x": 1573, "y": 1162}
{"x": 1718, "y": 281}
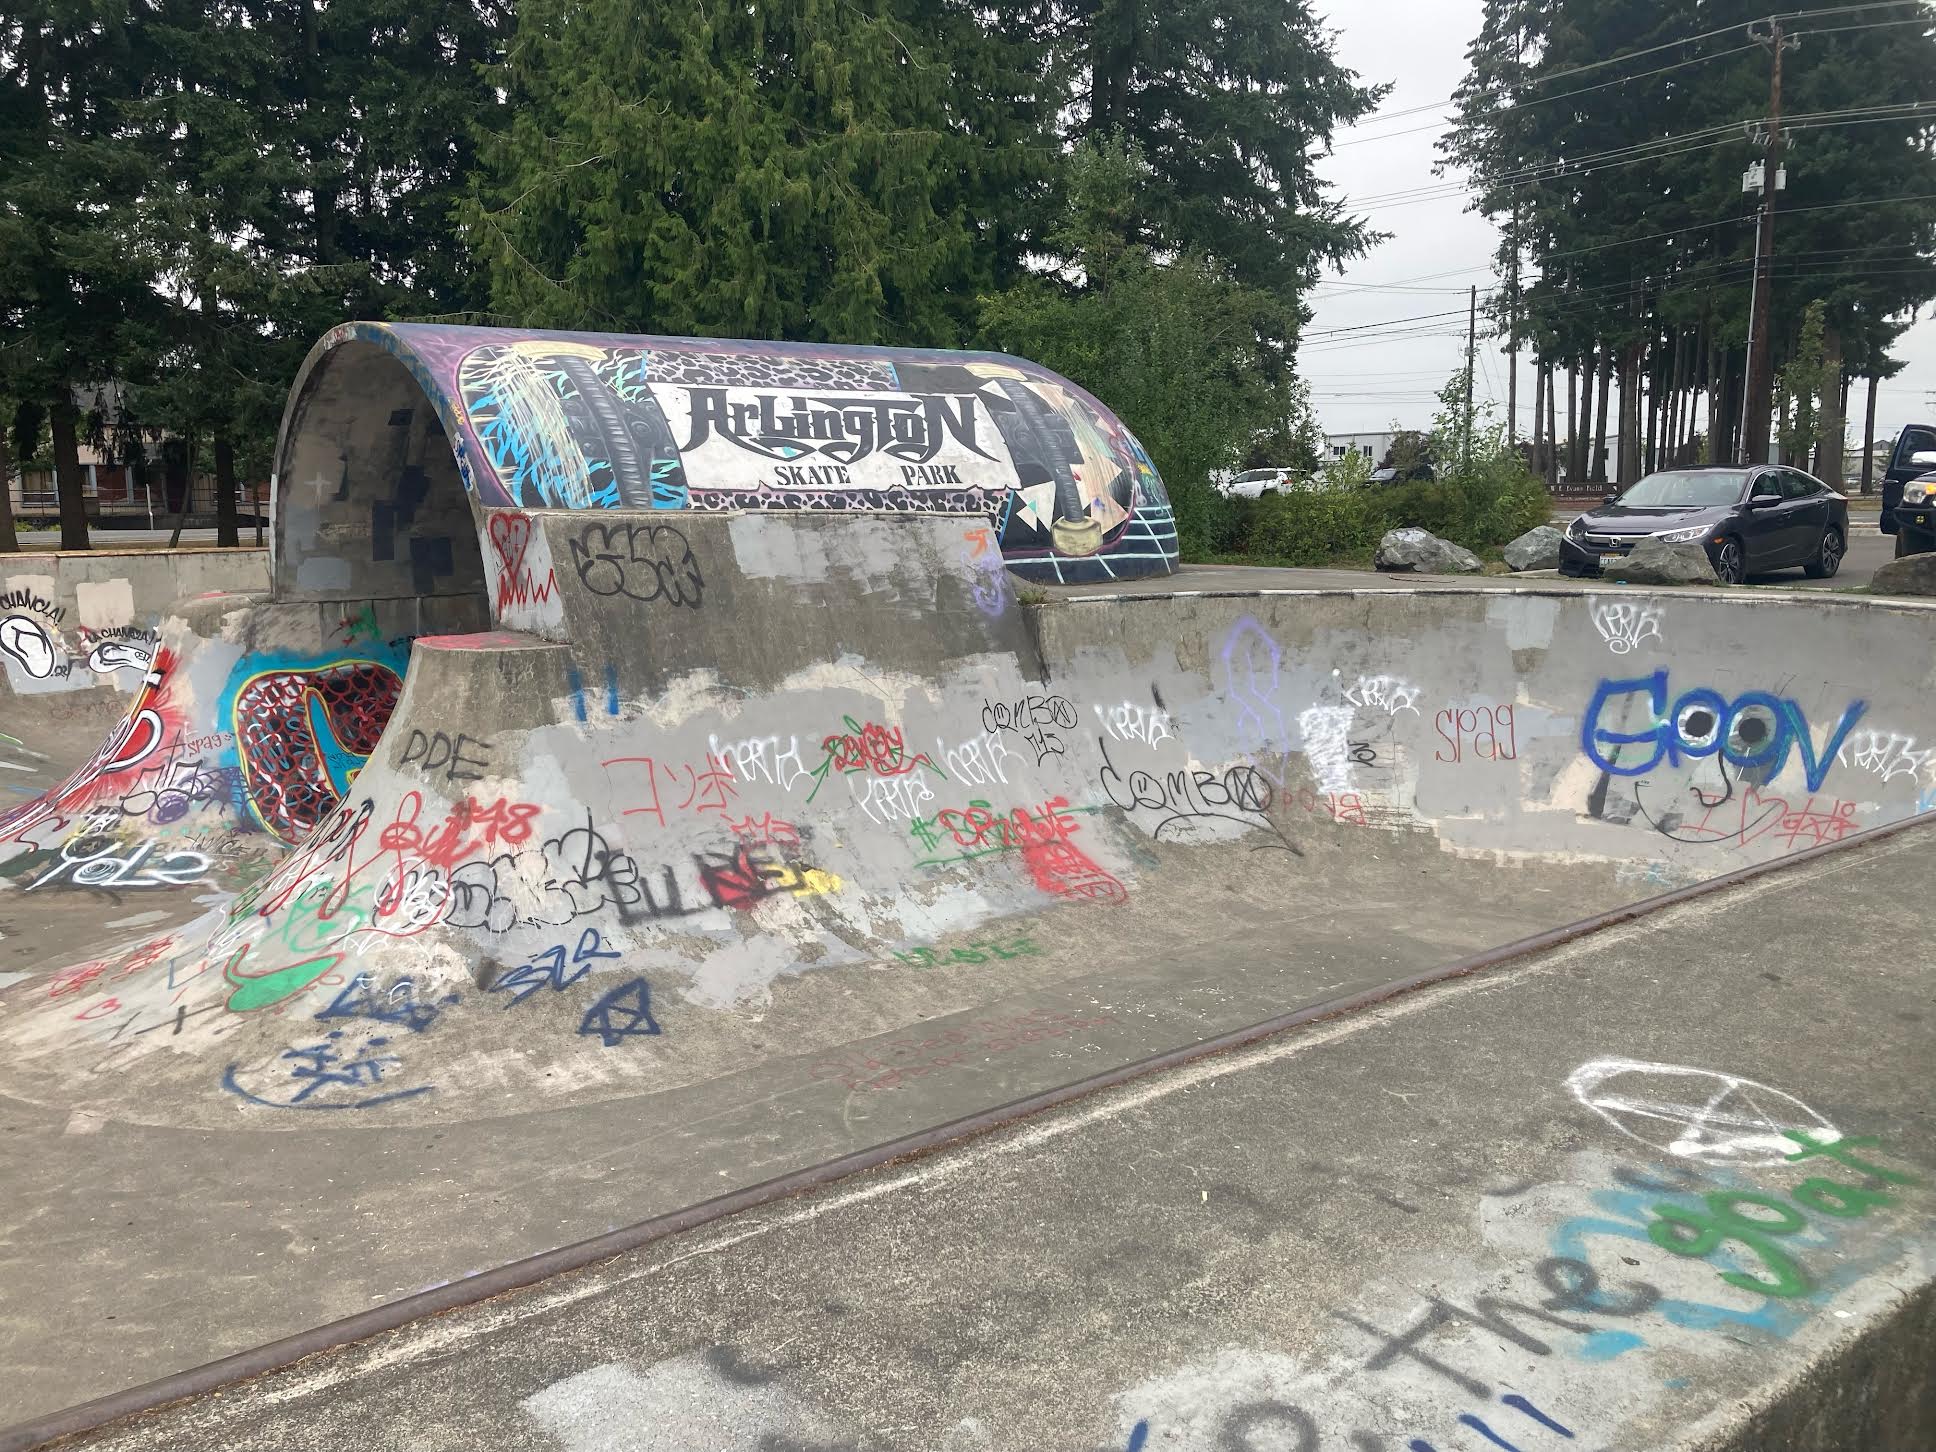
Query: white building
{"x": 1372, "y": 446}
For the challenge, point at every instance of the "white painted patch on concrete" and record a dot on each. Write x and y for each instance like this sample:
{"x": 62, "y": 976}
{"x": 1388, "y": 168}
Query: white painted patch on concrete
{"x": 1527, "y": 620}
{"x": 1697, "y": 1114}
{"x": 679, "y": 1405}
{"x": 104, "y": 604}
{"x": 9, "y": 979}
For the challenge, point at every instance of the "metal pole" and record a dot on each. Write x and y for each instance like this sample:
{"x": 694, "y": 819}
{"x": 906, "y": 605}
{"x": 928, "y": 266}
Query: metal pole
{"x": 1760, "y": 383}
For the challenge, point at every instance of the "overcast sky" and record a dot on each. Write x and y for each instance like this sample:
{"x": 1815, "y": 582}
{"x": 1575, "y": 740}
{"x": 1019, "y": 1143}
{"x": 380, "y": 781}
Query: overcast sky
{"x": 1364, "y": 383}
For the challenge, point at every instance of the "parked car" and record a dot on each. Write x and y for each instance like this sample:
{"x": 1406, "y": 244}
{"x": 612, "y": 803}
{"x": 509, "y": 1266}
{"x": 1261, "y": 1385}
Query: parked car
{"x": 1902, "y": 467}
{"x": 1391, "y": 474}
{"x": 1915, "y": 515}
{"x": 1255, "y": 483}
{"x": 1750, "y": 518}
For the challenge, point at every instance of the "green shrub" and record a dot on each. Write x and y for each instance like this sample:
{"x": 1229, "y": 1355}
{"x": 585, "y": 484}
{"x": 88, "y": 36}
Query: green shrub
{"x": 1311, "y": 528}
{"x": 1486, "y": 506}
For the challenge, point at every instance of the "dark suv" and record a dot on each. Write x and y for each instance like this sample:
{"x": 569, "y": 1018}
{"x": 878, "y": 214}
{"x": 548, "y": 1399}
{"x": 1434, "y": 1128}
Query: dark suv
{"x": 1914, "y": 439}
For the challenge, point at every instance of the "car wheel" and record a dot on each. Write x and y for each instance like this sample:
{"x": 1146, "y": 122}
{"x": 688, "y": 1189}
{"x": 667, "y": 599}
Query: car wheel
{"x": 1730, "y": 563}
{"x": 1828, "y": 556}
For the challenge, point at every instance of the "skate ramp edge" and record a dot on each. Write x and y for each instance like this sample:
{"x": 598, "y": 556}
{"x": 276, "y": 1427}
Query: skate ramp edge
{"x": 77, "y": 631}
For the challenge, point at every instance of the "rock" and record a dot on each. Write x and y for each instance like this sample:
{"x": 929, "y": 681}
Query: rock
{"x": 1910, "y": 575}
{"x": 1536, "y": 549}
{"x": 1417, "y": 549}
{"x": 1655, "y": 562}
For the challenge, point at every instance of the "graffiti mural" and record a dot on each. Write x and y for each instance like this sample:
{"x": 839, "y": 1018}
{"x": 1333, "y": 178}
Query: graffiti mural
{"x": 588, "y": 421}
{"x": 301, "y": 734}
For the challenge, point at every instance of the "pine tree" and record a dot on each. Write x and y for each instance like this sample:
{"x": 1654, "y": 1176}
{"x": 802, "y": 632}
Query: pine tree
{"x": 819, "y": 169}
{"x": 1227, "y": 103}
{"x": 74, "y": 280}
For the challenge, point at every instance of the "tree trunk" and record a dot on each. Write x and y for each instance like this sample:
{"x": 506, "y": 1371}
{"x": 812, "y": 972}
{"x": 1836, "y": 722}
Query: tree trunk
{"x": 226, "y": 532}
{"x": 1539, "y": 417}
{"x": 1575, "y": 453}
{"x": 1828, "y": 464}
{"x": 1597, "y": 465}
{"x": 9, "y": 541}
{"x": 1868, "y": 441}
{"x": 1648, "y": 376}
{"x": 67, "y": 475}
{"x": 1629, "y": 463}
{"x": 1552, "y": 415}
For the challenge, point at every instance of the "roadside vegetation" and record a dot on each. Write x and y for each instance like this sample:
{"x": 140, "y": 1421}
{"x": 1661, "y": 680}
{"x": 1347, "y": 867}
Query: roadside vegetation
{"x": 1485, "y": 496}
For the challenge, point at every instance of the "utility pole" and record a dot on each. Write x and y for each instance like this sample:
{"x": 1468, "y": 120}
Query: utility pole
{"x": 1471, "y": 337}
{"x": 1758, "y": 391}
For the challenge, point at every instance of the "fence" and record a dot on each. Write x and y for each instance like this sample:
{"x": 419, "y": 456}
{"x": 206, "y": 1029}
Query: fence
{"x": 113, "y": 493}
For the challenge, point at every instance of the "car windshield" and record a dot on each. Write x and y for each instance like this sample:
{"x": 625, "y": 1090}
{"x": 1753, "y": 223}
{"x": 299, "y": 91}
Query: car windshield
{"x": 1251, "y": 476}
{"x": 1685, "y": 489}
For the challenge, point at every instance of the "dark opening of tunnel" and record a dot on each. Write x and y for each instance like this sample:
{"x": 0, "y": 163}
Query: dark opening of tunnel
{"x": 372, "y": 512}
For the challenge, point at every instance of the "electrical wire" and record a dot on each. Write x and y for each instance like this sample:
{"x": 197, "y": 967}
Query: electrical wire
{"x": 1666, "y": 45}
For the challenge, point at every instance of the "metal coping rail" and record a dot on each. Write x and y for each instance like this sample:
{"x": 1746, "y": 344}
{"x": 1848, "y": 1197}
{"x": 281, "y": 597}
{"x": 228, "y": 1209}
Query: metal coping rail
{"x": 519, "y": 1275}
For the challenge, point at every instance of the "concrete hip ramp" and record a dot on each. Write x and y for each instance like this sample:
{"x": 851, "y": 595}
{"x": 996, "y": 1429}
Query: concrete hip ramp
{"x": 577, "y": 860}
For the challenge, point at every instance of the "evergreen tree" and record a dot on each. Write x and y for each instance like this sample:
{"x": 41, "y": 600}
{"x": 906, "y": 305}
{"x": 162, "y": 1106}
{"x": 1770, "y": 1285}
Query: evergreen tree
{"x": 73, "y": 278}
{"x": 820, "y": 169}
{"x": 1228, "y": 102}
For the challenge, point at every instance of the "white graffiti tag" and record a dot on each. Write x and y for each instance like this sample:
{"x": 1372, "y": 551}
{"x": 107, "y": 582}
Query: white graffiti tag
{"x": 1327, "y": 746}
{"x": 1383, "y": 693}
{"x": 1888, "y": 754}
{"x": 1130, "y": 722}
{"x": 89, "y": 862}
{"x": 978, "y": 760}
{"x": 119, "y": 654}
{"x": 1623, "y": 625}
{"x": 1697, "y": 1114}
{"x": 759, "y": 758}
{"x": 28, "y": 642}
{"x": 891, "y": 798}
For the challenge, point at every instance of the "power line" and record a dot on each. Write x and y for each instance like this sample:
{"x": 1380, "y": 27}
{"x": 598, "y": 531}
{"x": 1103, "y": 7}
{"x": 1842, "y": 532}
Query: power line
{"x": 1650, "y": 150}
{"x": 1655, "y": 50}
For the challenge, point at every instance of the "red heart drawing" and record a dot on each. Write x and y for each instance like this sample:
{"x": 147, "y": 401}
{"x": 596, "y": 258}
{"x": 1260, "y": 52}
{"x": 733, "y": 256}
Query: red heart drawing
{"x": 511, "y": 537}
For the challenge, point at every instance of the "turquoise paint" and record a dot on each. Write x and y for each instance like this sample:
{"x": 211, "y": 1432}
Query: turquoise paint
{"x": 1605, "y": 1345}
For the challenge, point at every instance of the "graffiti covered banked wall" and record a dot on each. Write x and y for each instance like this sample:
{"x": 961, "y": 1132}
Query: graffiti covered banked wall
{"x": 588, "y": 421}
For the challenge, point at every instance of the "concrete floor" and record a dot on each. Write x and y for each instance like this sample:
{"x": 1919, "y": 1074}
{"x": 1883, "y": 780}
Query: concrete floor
{"x": 1420, "y": 1227}
{"x": 168, "y": 1230}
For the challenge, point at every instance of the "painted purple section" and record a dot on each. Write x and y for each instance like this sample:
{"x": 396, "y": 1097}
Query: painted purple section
{"x": 599, "y": 421}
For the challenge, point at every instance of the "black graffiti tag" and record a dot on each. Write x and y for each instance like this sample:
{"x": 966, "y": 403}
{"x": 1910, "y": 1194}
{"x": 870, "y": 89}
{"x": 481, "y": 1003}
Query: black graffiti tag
{"x": 643, "y": 562}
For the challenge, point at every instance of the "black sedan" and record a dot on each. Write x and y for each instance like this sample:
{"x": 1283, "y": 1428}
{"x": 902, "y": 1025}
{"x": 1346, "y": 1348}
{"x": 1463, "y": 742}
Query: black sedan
{"x": 1750, "y": 518}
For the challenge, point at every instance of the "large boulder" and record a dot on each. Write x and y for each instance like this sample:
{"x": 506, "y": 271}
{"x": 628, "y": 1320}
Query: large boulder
{"x": 1421, "y": 550}
{"x": 1537, "y": 549}
{"x": 1655, "y": 562}
{"x": 1910, "y": 575}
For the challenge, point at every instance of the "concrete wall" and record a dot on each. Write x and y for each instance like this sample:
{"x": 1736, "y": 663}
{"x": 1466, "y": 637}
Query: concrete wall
{"x": 746, "y": 751}
{"x": 56, "y": 608}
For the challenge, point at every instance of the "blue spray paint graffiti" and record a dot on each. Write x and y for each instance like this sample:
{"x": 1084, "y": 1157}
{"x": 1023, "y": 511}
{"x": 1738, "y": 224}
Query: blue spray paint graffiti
{"x": 624, "y": 1013}
{"x": 324, "y": 1074}
{"x": 398, "y": 1004}
{"x": 1755, "y": 729}
{"x": 547, "y": 969}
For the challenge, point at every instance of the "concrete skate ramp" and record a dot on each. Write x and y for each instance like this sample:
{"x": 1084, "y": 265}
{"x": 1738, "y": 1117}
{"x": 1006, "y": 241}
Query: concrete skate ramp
{"x": 750, "y": 837}
{"x": 76, "y": 640}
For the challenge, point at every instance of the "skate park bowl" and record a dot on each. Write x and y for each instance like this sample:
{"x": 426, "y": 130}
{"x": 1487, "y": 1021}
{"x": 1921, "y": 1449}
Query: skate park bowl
{"x": 644, "y": 778}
